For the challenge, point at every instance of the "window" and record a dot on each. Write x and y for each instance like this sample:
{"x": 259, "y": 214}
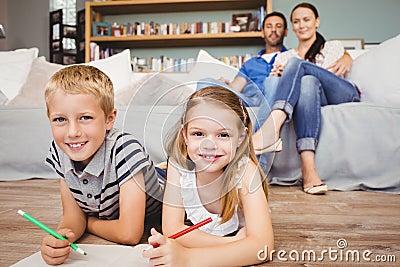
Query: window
{"x": 69, "y": 17}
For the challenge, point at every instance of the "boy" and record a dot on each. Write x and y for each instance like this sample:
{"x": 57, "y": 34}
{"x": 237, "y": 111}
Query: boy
{"x": 108, "y": 182}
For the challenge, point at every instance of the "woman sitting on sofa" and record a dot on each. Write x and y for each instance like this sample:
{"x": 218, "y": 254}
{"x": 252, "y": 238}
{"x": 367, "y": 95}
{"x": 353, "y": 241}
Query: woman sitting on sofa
{"x": 305, "y": 85}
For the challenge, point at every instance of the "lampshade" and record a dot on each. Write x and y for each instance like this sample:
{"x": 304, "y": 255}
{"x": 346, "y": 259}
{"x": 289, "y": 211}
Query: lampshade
{"x": 2, "y": 32}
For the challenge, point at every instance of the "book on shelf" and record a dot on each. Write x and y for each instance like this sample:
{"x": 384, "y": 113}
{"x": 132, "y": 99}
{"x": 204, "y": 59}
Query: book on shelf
{"x": 166, "y": 64}
{"x": 240, "y": 22}
{"x": 162, "y": 63}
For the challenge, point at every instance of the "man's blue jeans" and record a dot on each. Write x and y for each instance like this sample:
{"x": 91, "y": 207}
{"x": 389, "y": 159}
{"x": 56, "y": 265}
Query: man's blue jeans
{"x": 302, "y": 90}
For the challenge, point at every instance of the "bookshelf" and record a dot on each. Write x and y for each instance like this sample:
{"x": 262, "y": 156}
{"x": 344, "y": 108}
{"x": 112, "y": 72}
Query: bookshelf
{"x": 96, "y": 10}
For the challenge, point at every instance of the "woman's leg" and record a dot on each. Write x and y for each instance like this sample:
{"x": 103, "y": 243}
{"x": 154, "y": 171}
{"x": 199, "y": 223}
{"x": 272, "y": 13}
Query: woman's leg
{"x": 270, "y": 130}
{"x": 269, "y": 91}
{"x": 307, "y": 121}
{"x": 315, "y": 86}
{"x": 335, "y": 89}
{"x": 285, "y": 98}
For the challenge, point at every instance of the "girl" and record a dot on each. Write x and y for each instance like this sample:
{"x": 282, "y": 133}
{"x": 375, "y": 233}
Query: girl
{"x": 306, "y": 84}
{"x": 213, "y": 172}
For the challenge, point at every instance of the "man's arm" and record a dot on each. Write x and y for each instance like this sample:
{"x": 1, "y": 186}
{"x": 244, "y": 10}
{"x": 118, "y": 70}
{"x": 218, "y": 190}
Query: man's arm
{"x": 237, "y": 84}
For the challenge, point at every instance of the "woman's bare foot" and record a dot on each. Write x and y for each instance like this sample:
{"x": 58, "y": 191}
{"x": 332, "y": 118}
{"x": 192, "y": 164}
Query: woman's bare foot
{"x": 269, "y": 131}
{"x": 308, "y": 170}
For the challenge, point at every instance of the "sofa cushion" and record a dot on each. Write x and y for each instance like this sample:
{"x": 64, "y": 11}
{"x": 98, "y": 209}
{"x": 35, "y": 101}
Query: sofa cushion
{"x": 14, "y": 69}
{"x": 154, "y": 89}
{"x": 117, "y": 67}
{"x": 209, "y": 67}
{"x": 376, "y": 73}
{"x": 32, "y": 92}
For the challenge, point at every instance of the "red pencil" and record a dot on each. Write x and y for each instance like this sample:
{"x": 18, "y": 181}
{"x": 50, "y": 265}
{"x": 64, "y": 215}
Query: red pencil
{"x": 187, "y": 230}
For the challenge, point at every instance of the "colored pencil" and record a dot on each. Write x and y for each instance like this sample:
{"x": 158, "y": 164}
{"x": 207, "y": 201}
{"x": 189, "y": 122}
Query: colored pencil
{"x": 49, "y": 230}
{"x": 187, "y": 230}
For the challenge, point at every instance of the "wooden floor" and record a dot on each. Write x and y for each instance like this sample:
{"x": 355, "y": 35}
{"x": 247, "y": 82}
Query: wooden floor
{"x": 302, "y": 223}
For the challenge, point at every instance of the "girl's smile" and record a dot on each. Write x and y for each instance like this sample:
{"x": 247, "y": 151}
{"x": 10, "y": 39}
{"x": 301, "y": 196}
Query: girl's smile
{"x": 212, "y": 136}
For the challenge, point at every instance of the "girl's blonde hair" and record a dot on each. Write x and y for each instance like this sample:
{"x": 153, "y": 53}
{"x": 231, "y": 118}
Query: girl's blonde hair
{"x": 82, "y": 79}
{"x": 176, "y": 147}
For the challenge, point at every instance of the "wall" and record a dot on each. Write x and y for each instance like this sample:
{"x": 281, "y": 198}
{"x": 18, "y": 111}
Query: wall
{"x": 28, "y": 22}
{"x": 375, "y": 21}
{"x": 4, "y": 22}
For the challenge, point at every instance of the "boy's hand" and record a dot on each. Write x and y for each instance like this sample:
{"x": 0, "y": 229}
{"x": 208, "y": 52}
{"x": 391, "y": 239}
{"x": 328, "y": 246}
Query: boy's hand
{"x": 169, "y": 252}
{"x": 55, "y": 251}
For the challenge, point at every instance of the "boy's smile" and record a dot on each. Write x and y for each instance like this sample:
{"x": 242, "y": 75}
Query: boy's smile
{"x": 78, "y": 124}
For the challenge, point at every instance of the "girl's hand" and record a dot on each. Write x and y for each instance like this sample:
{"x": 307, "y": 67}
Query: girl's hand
{"x": 169, "y": 252}
{"x": 277, "y": 70}
{"x": 55, "y": 251}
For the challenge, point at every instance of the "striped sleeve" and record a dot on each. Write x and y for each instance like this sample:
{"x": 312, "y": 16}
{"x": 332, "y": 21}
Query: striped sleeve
{"x": 54, "y": 160}
{"x": 130, "y": 157}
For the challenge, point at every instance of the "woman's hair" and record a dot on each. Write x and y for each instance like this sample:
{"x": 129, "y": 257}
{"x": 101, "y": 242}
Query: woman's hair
{"x": 319, "y": 43}
{"x": 176, "y": 146}
{"x": 82, "y": 79}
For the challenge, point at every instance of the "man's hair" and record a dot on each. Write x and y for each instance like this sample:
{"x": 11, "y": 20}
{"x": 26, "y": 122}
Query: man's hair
{"x": 276, "y": 14}
{"x": 82, "y": 79}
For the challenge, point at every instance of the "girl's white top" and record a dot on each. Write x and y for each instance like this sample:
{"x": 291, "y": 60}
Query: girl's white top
{"x": 196, "y": 212}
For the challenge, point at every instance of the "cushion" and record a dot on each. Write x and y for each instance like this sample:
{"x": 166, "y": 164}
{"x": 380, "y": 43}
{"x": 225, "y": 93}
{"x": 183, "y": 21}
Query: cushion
{"x": 14, "y": 69}
{"x": 154, "y": 89}
{"x": 209, "y": 67}
{"x": 32, "y": 92}
{"x": 3, "y": 98}
{"x": 376, "y": 73}
{"x": 118, "y": 68}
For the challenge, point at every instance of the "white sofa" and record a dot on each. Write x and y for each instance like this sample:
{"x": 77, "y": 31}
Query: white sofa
{"x": 359, "y": 147}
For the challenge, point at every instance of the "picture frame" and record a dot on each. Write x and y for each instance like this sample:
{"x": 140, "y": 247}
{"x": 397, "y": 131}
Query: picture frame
{"x": 101, "y": 29}
{"x": 242, "y": 20}
{"x": 117, "y": 30}
{"x": 352, "y": 43}
{"x": 56, "y": 16}
{"x": 56, "y": 46}
{"x": 69, "y": 31}
{"x": 253, "y": 25}
{"x": 67, "y": 60}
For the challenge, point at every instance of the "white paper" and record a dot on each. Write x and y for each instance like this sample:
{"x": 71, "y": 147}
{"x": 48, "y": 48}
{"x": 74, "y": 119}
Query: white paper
{"x": 97, "y": 255}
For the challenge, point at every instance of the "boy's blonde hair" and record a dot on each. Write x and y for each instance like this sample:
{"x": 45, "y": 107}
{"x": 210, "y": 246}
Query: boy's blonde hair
{"x": 176, "y": 146}
{"x": 82, "y": 79}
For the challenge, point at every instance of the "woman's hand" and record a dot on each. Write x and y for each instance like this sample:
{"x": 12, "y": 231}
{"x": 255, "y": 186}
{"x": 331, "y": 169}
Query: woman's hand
{"x": 277, "y": 70}
{"x": 55, "y": 251}
{"x": 169, "y": 252}
{"x": 342, "y": 66}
